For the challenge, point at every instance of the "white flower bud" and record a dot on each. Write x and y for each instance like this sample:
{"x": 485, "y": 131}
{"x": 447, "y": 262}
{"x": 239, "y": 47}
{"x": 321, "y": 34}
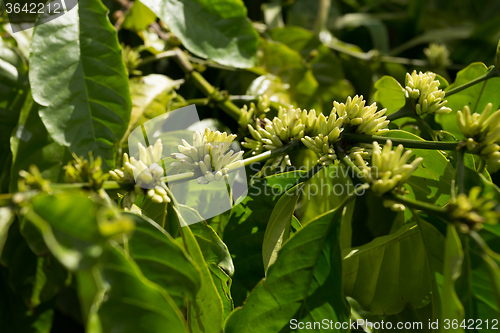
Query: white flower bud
{"x": 422, "y": 90}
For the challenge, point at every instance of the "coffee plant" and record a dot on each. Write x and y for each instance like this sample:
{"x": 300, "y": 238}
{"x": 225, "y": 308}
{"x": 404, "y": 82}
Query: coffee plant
{"x": 342, "y": 176}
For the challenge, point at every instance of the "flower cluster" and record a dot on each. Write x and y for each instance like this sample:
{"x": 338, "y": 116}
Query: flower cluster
{"x": 353, "y": 116}
{"x": 288, "y": 125}
{"x": 482, "y": 132}
{"x": 438, "y": 55}
{"x": 145, "y": 173}
{"x": 472, "y": 211}
{"x": 362, "y": 118}
{"x": 388, "y": 170}
{"x": 422, "y": 90}
{"x": 33, "y": 180}
{"x": 318, "y": 133}
{"x": 327, "y": 131}
{"x": 81, "y": 170}
{"x": 209, "y": 154}
{"x": 247, "y": 114}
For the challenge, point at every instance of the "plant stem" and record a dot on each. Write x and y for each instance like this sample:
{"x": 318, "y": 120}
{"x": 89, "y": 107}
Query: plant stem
{"x": 348, "y": 163}
{"x": 322, "y": 16}
{"x": 493, "y": 72}
{"x": 205, "y": 87}
{"x": 408, "y": 143}
{"x": 460, "y": 174}
{"x": 162, "y": 55}
{"x": 423, "y": 206}
{"x": 374, "y": 55}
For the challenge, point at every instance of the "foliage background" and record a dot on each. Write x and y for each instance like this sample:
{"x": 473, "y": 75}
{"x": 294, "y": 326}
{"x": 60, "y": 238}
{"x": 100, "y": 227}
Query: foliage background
{"x": 79, "y": 84}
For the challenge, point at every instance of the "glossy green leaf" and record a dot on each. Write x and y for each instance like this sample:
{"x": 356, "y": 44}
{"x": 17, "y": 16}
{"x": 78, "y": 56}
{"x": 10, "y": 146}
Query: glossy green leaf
{"x": 70, "y": 228}
{"x": 223, "y": 284}
{"x": 287, "y": 64}
{"x": 132, "y": 296}
{"x": 447, "y": 33}
{"x": 376, "y": 28}
{"x": 391, "y": 271}
{"x": 305, "y": 282}
{"x": 13, "y": 91}
{"x": 6, "y": 219}
{"x": 389, "y": 94}
{"x": 213, "y": 248}
{"x": 476, "y": 97}
{"x": 478, "y": 285}
{"x": 325, "y": 190}
{"x": 219, "y": 31}
{"x": 278, "y": 227}
{"x": 32, "y": 144}
{"x": 139, "y": 17}
{"x": 34, "y": 279}
{"x": 366, "y": 223}
{"x": 78, "y": 77}
{"x": 244, "y": 233}
{"x": 162, "y": 260}
{"x": 452, "y": 309}
{"x": 431, "y": 182}
{"x": 432, "y": 232}
{"x": 325, "y": 65}
{"x": 206, "y": 313}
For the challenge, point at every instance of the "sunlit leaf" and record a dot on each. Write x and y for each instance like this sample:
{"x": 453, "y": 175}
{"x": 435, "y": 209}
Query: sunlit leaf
{"x": 305, "y": 282}
{"x": 219, "y": 31}
{"x": 78, "y": 77}
{"x": 475, "y": 97}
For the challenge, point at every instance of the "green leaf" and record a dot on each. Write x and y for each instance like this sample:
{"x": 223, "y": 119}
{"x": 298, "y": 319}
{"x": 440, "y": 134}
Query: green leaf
{"x": 218, "y": 31}
{"x": 6, "y": 219}
{"x": 131, "y": 296}
{"x": 244, "y": 233}
{"x": 32, "y": 144}
{"x": 13, "y": 91}
{"x": 431, "y": 182}
{"x": 474, "y": 287}
{"x": 78, "y": 77}
{"x": 69, "y": 225}
{"x": 448, "y": 33}
{"x": 223, "y": 283}
{"x": 389, "y": 94}
{"x": 206, "y": 313}
{"x": 333, "y": 179}
{"x": 287, "y": 64}
{"x": 162, "y": 260}
{"x": 278, "y": 227}
{"x": 139, "y": 17}
{"x": 391, "y": 271}
{"x": 476, "y": 97}
{"x": 34, "y": 279}
{"x": 376, "y": 28}
{"x": 213, "y": 248}
{"x": 305, "y": 282}
{"x": 325, "y": 65}
{"x": 452, "y": 309}
{"x": 432, "y": 231}
{"x": 478, "y": 286}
